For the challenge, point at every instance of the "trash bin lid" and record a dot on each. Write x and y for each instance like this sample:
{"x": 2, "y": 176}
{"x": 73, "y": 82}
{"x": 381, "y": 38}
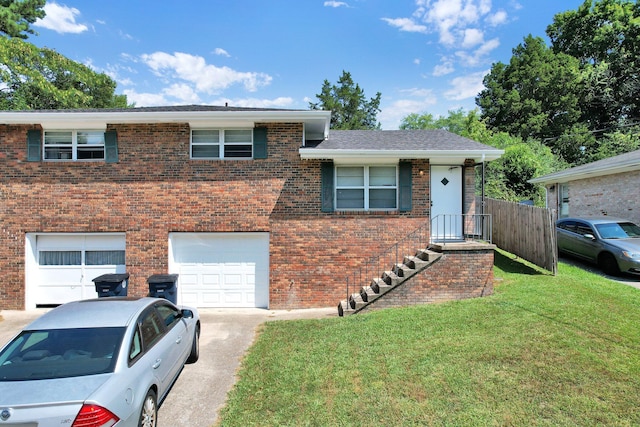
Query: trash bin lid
{"x": 162, "y": 278}
{"x": 112, "y": 277}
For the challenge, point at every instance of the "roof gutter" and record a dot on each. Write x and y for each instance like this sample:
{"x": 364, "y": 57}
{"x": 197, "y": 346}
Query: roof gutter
{"x": 367, "y": 155}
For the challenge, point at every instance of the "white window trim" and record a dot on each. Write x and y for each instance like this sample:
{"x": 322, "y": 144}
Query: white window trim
{"x": 221, "y": 144}
{"x": 366, "y": 187}
{"x": 74, "y": 145}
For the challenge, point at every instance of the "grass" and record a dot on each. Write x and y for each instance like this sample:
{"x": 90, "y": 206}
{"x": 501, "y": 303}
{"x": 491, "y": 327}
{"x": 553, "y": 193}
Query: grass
{"x": 542, "y": 351}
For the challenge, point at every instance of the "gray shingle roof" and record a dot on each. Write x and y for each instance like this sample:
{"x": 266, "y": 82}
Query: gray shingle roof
{"x": 396, "y": 140}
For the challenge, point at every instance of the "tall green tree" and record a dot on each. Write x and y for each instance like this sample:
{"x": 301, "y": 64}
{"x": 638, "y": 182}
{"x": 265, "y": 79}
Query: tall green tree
{"x": 537, "y": 95}
{"x": 604, "y": 36}
{"x": 16, "y": 16}
{"x": 348, "y": 104}
{"x": 36, "y": 79}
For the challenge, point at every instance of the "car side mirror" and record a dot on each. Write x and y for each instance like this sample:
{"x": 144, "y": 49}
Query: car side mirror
{"x": 187, "y": 314}
{"x": 589, "y": 236}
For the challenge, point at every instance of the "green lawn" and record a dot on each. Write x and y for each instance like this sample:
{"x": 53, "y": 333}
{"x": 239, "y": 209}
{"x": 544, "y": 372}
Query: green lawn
{"x": 542, "y": 351}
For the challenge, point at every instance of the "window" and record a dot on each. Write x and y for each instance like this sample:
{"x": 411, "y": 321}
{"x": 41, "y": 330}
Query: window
{"x": 222, "y": 143}
{"x": 74, "y": 145}
{"x": 169, "y": 314}
{"x": 366, "y": 187}
{"x": 75, "y": 257}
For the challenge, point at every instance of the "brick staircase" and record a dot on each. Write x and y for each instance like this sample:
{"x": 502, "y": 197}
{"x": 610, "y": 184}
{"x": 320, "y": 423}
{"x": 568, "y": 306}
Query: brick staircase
{"x": 389, "y": 280}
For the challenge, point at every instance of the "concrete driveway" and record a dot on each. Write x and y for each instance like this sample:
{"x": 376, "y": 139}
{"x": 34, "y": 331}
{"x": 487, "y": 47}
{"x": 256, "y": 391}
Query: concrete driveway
{"x": 201, "y": 389}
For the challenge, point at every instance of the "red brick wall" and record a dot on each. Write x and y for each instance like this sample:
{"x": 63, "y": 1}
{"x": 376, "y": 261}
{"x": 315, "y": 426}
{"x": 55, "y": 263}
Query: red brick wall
{"x": 612, "y": 195}
{"x": 155, "y": 189}
{"x": 458, "y": 274}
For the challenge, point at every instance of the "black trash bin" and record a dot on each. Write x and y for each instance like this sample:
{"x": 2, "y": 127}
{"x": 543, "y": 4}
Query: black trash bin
{"x": 164, "y": 286}
{"x": 112, "y": 285}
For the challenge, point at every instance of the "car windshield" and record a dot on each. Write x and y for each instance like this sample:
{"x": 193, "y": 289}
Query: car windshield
{"x": 60, "y": 353}
{"x": 618, "y": 230}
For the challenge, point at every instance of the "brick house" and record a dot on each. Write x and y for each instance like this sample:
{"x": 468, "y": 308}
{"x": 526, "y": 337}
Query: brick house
{"x": 249, "y": 207}
{"x": 606, "y": 187}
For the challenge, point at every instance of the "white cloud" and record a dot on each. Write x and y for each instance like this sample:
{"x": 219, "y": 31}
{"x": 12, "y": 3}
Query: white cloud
{"x": 476, "y": 57}
{"x": 182, "y": 92}
{"x": 204, "y": 77}
{"x": 445, "y": 67}
{"x": 406, "y": 24}
{"x": 498, "y": 18}
{"x": 333, "y": 3}
{"x": 61, "y": 19}
{"x": 456, "y": 21}
{"x": 413, "y": 100}
{"x": 280, "y": 102}
{"x": 146, "y": 99}
{"x": 472, "y": 37}
{"x": 221, "y": 52}
{"x": 465, "y": 87}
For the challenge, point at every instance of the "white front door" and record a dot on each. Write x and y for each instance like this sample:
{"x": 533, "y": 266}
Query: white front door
{"x": 446, "y": 202}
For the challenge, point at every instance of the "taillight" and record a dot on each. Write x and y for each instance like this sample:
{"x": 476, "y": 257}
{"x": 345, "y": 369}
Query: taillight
{"x": 94, "y": 416}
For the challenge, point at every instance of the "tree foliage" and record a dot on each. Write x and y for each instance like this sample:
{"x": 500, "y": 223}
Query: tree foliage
{"x": 506, "y": 178}
{"x": 16, "y": 16}
{"x": 570, "y": 95}
{"x": 35, "y": 79}
{"x": 349, "y": 107}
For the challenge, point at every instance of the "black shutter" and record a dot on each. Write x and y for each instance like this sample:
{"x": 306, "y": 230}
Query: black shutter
{"x": 111, "y": 147}
{"x": 405, "y": 178}
{"x": 34, "y": 145}
{"x": 327, "y": 186}
{"x": 260, "y": 143}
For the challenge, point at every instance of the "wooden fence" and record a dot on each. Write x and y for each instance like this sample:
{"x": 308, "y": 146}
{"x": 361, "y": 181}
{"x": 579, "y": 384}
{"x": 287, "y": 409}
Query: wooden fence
{"x": 526, "y": 231}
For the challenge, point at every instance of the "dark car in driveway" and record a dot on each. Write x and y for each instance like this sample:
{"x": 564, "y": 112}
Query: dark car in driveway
{"x": 611, "y": 243}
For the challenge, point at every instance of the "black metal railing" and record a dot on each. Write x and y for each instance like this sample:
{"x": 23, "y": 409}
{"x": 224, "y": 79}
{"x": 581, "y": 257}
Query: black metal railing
{"x": 461, "y": 227}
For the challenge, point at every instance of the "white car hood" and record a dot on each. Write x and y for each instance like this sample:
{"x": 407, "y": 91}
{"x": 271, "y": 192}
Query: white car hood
{"x": 60, "y": 390}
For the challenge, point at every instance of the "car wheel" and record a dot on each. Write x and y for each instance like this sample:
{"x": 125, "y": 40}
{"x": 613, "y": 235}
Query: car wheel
{"x": 149, "y": 411}
{"x": 195, "y": 347}
{"x": 609, "y": 265}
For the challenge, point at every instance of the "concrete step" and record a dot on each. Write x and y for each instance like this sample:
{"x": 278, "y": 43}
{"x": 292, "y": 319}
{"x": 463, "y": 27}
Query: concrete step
{"x": 403, "y": 270}
{"x": 428, "y": 255}
{"x": 391, "y": 278}
{"x": 368, "y": 294}
{"x": 415, "y": 263}
{"x": 379, "y": 286}
{"x": 344, "y": 309}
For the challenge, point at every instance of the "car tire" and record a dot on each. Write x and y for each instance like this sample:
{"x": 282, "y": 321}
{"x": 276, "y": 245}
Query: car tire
{"x": 195, "y": 347}
{"x": 609, "y": 264}
{"x": 149, "y": 410}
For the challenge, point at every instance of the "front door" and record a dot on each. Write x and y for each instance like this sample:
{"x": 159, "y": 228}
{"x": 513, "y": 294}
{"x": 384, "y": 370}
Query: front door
{"x": 446, "y": 203}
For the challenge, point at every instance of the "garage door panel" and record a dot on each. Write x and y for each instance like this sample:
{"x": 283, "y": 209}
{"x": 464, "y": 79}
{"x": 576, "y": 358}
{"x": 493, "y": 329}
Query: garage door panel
{"x": 64, "y": 265}
{"x": 230, "y": 268}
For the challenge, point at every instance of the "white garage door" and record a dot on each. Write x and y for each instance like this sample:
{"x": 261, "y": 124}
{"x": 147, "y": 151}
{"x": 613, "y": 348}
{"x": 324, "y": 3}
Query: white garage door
{"x": 65, "y": 265}
{"x": 221, "y": 269}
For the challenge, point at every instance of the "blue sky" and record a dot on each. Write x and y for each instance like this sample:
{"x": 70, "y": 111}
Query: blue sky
{"x": 424, "y": 56}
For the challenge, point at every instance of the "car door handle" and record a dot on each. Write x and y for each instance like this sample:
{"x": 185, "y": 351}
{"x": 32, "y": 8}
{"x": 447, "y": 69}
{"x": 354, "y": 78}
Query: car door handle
{"x": 157, "y": 364}
{"x": 179, "y": 340}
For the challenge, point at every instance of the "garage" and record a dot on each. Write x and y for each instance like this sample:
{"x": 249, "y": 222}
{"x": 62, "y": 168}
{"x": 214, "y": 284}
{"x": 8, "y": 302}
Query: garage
{"x": 61, "y": 267}
{"x": 221, "y": 269}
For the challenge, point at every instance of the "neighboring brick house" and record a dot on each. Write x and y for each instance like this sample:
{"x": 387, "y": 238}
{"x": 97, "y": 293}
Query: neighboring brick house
{"x": 250, "y": 207}
{"x": 606, "y": 187}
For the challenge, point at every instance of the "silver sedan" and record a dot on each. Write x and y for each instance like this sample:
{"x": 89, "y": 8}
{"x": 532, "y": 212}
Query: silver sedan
{"x": 102, "y": 362}
{"x": 611, "y": 243}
